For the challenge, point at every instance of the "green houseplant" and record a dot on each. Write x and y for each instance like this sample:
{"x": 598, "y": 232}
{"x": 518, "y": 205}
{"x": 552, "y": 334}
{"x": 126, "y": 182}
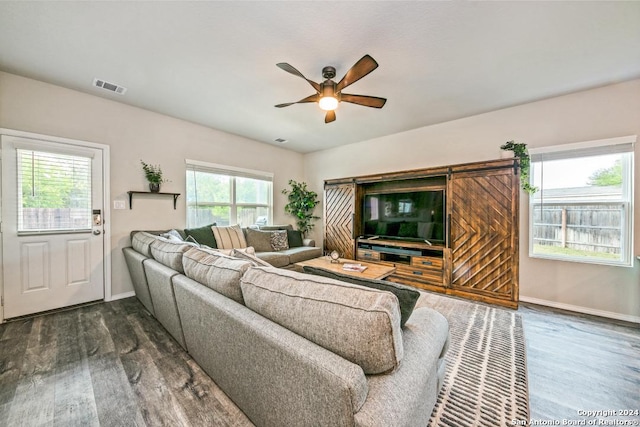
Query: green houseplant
{"x": 520, "y": 151}
{"x": 302, "y": 202}
{"x": 153, "y": 173}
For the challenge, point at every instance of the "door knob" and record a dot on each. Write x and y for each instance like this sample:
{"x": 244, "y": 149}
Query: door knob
{"x": 96, "y": 232}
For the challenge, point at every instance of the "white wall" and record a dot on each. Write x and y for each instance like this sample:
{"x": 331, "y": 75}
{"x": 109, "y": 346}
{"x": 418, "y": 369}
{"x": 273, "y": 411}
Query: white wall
{"x": 601, "y": 113}
{"x": 134, "y": 134}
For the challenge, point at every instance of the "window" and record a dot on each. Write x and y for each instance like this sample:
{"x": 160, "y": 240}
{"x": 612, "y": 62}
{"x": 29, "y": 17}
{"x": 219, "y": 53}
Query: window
{"x": 54, "y": 192}
{"x": 583, "y": 210}
{"x": 227, "y": 195}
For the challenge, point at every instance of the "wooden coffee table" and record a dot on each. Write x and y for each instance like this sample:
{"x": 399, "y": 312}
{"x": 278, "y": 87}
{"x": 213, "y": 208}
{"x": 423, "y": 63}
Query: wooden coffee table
{"x": 373, "y": 271}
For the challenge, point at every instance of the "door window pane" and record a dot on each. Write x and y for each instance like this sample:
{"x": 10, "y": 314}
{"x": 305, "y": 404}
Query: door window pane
{"x": 54, "y": 191}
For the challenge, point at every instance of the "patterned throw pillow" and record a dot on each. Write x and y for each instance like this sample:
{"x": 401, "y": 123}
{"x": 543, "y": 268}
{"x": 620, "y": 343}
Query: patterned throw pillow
{"x": 279, "y": 240}
{"x": 230, "y": 237}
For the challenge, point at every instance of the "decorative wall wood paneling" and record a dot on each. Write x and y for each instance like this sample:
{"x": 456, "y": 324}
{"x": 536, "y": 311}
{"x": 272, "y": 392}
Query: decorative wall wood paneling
{"x": 483, "y": 207}
{"x": 339, "y": 214}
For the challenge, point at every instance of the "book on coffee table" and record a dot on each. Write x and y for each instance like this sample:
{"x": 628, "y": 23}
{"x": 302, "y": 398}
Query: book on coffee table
{"x": 354, "y": 267}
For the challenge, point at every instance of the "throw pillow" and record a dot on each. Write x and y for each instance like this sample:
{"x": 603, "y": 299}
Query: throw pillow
{"x": 279, "y": 240}
{"x": 407, "y": 297}
{"x": 172, "y": 235}
{"x": 295, "y": 238}
{"x": 254, "y": 260}
{"x": 360, "y": 324}
{"x": 230, "y": 237}
{"x": 202, "y": 235}
{"x": 260, "y": 240}
{"x": 192, "y": 240}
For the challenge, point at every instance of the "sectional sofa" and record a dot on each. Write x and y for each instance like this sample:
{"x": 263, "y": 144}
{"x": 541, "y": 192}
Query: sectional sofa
{"x": 293, "y": 349}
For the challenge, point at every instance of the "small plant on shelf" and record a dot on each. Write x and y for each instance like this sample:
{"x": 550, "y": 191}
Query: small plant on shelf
{"x": 520, "y": 151}
{"x": 301, "y": 204}
{"x": 153, "y": 173}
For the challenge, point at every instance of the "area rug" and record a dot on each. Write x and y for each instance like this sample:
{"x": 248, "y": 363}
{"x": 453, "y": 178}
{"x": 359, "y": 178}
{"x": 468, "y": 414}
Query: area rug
{"x": 486, "y": 378}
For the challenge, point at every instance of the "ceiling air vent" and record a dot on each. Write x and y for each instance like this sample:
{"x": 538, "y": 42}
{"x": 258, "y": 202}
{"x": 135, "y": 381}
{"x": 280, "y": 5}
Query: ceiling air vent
{"x": 111, "y": 87}
{"x": 281, "y": 140}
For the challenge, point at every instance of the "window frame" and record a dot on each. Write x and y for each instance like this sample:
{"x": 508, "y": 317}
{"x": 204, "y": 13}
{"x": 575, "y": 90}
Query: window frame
{"x": 233, "y": 173}
{"x": 599, "y": 147}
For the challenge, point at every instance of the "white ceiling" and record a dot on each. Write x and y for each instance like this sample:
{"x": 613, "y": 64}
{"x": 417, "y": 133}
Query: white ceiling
{"x": 213, "y": 63}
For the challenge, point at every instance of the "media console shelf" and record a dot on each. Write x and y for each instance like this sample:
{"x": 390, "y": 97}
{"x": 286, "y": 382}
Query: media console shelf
{"x": 417, "y": 263}
{"x": 131, "y": 193}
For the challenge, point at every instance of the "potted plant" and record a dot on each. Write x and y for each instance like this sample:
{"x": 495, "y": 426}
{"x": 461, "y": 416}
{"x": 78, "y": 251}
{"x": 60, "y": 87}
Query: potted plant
{"x": 301, "y": 204}
{"x": 520, "y": 151}
{"x": 153, "y": 173}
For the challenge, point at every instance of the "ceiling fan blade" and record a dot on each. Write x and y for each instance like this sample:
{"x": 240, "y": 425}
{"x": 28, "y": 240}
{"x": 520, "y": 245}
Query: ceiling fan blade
{"x": 290, "y": 69}
{"x": 367, "y": 101}
{"x": 310, "y": 98}
{"x": 364, "y": 66}
{"x": 330, "y": 116}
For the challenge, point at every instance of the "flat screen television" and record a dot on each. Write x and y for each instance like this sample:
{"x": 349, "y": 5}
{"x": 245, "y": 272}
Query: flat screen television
{"x": 410, "y": 215}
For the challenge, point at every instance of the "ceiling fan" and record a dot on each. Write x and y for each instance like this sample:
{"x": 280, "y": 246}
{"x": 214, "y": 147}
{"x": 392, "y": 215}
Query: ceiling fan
{"x": 329, "y": 93}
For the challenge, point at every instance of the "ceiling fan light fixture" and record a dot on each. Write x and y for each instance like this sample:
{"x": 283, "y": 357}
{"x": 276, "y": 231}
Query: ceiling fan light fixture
{"x": 328, "y": 103}
{"x": 329, "y": 95}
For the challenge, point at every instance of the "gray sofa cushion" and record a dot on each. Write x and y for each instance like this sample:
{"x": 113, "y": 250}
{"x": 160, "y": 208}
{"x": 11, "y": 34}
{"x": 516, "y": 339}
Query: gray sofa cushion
{"x": 302, "y": 253}
{"x": 360, "y": 324}
{"x": 407, "y": 297}
{"x": 276, "y": 259}
{"x": 141, "y": 242}
{"x": 217, "y": 271}
{"x": 406, "y": 396}
{"x": 169, "y": 253}
{"x": 260, "y": 240}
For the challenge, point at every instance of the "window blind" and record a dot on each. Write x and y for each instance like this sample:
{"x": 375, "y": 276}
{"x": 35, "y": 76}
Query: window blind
{"x": 54, "y": 191}
{"x": 196, "y": 166}
{"x": 584, "y": 149}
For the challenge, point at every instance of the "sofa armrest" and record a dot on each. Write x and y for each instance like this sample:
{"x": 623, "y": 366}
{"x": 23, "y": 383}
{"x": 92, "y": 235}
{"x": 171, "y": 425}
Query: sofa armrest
{"x": 308, "y": 242}
{"x": 406, "y": 396}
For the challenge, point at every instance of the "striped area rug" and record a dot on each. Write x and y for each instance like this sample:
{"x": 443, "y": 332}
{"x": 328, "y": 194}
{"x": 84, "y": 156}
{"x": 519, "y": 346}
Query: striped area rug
{"x": 486, "y": 377}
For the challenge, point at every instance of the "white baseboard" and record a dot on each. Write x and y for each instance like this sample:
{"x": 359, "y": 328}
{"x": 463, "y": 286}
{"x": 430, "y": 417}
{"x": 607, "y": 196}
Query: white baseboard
{"x": 579, "y": 309}
{"x": 123, "y": 295}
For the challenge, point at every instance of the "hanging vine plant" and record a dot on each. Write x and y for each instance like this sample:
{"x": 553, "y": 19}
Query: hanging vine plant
{"x": 520, "y": 151}
{"x": 301, "y": 204}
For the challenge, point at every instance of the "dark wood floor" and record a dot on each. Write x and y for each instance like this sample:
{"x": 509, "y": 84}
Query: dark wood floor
{"x": 112, "y": 364}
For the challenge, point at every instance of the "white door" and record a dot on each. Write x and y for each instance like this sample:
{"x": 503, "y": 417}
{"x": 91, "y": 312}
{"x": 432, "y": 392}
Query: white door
{"x": 52, "y": 232}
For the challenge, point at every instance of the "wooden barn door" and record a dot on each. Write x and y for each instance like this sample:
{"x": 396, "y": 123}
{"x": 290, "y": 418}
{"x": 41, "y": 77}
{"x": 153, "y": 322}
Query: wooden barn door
{"x": 483, "y": 205}
{"x": 339, "y": 214}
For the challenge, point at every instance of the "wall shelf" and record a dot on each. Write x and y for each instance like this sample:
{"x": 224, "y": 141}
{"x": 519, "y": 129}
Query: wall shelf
{"x": 131, "y": 193}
